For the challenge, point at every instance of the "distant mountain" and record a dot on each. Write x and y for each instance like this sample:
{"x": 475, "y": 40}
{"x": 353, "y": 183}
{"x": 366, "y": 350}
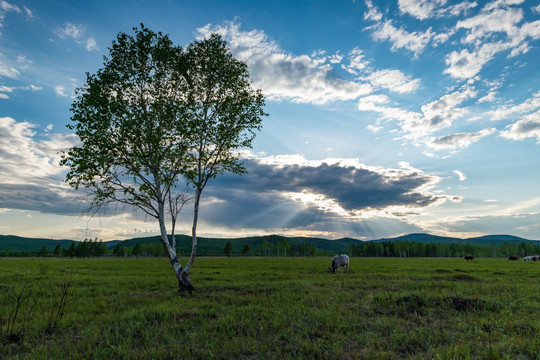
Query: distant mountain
{"x": 424, "y": 238}
{"x": 480, "y": 240}
{"x": 18, "y": 243}
{"x": 214, "y": 246}
{"x": 495, "y": 239}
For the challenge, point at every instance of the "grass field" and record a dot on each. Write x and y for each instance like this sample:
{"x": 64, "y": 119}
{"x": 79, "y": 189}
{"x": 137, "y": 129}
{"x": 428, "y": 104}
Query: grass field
{"x": 270, "y": 308}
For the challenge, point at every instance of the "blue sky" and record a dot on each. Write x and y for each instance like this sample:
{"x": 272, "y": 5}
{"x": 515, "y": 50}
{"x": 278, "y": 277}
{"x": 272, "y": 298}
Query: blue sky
{"x": 386, "y": 118}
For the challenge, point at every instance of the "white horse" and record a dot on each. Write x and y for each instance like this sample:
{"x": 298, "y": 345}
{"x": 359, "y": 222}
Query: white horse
{"x": 337, "y": 261}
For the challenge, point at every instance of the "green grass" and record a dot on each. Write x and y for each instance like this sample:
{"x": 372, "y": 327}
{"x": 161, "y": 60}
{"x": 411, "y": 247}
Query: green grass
{"x": 274, "y": 308}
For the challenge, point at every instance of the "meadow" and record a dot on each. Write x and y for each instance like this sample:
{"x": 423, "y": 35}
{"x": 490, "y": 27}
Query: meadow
{"x": 273, "y": 308}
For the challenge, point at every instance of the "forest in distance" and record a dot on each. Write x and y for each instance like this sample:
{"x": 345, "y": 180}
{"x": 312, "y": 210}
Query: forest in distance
{"x": 412, "y": 245}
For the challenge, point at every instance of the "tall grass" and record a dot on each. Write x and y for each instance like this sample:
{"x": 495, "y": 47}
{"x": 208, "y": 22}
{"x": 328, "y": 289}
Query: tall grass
{"x": 279, "y": 308}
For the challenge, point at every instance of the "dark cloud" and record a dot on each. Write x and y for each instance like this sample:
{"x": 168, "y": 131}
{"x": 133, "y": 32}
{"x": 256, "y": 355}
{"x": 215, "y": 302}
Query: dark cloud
{"x": 265, "y": 198}
{"x": 40, "y": 197}
{"x": 257, "y": 199}
{"x": 351, "y": 187}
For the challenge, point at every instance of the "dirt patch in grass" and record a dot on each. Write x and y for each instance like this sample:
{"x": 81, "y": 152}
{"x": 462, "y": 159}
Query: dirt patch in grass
{"x": 416, "y": 303}
{"x": 12, "y": 338}
{"x": 524, "y": 329}
{"x": 443, "y": 271}
{"x": 414, "y": 300}
{"x": 465, "y": 304}
{"x": 462, "y": 277}
{"x": 186, "y": 315}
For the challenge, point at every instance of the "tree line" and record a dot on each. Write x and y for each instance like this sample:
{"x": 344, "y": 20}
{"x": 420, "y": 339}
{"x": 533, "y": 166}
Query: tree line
{"x": 420, "y": 249}
{"x": 90, "y": 248}
{"x": 276, "y": 248}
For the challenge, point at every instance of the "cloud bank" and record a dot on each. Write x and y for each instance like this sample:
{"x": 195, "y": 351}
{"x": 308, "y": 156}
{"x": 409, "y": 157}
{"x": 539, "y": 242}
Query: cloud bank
{"x": 30, "y": 177}
{"x": 286, "y": 192}
{"x": 290, "y": 192}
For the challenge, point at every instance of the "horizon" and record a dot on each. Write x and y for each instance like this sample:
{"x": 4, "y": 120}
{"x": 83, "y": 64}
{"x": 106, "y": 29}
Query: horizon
{"x": 385, "y": 118}
{"x": 288, "y": 237}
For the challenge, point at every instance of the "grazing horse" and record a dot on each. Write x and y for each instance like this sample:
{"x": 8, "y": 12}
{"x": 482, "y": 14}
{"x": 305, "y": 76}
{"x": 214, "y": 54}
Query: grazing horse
{"x": 531, "y": 258}
{"x": 468, "y": 257}
{"x": 513, "y": 258}
{"x": 339, "y": 260}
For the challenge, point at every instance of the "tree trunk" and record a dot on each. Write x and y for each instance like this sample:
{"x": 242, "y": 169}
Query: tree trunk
{"x": 184, "y": 283}
{"x": 194, "y": 229}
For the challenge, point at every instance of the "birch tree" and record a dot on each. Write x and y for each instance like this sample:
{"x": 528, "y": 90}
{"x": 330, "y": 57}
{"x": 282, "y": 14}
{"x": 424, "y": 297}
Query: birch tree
{"x": 224, "y": 114}
{"x": 155, "y": 119}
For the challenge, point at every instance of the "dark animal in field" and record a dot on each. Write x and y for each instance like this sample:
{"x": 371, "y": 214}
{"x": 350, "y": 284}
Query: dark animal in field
{"x": 513, "y": 258}
{"x": 337, "y": 261}
{"x": 468, "y": 257}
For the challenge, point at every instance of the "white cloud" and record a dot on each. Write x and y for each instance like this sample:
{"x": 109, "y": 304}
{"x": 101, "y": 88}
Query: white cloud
{"x": 4, "y": 90}
{"x": 374, "y": 129}
{"x": 424, "y": 9}
{"x": 7, "y": 89}
{"x": 6, "y": 8}
{"x": 8, "y": 71}
{"x": 457, "y": 9}
{"x": 501, "y": 4}
{"x": 414, "y": 41}
{"x": 25, "y": 62}
{"x": 60, "y": 90}
{"x": 484, "y": 25}
{"x": 490, "y": 97}
{"x": 420, "y": 9}
{"x": 91, "y": 44}
{"x": 434, "y": 116}
{"x": 494, "y": 30}
{"x": 459, "y": 140}
{"x": 378, "y": 103}
{"x": 357, "y": 62}
{"x": 283, "y": 76}
{"x": 77, "y": 32}
{"x": 461, "y": 175}
{"x": 393, "y": 80}
{"x": 64, "y": 90}
{"x": 466, "y": 65}
{"x": 28, "y": 12}
{"x": 373, "y": 13}
{"x": 440, "y": 113}
{"x": 24, "y": 160}
{"x": 526, "y": 106}
{"x": 73, "y": 31}
{"x": 527, "y": 127}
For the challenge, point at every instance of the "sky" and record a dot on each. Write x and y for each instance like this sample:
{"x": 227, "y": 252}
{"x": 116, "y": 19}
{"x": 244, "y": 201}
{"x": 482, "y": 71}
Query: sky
{"x": 385, "y": 117}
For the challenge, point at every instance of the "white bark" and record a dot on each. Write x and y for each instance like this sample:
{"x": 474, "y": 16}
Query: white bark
{"x": 184, "y": 283}
{"x": 194, "y": 230}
